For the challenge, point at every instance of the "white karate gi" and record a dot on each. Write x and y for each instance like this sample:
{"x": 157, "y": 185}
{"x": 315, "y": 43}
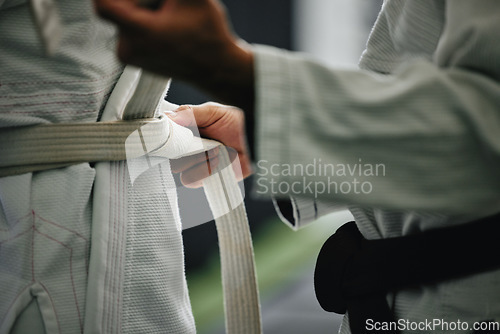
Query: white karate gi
{"x": 426, "y": 105}
{"x": 46, "y": 217}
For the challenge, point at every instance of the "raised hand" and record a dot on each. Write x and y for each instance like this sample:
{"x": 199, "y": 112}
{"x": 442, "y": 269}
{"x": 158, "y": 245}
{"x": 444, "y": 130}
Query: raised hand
{"x": 186, "y": 39}
{"x": 215, "y": 121}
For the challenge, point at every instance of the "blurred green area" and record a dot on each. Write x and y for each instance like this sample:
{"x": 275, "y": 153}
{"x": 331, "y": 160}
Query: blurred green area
{"x": 281, "y": 255}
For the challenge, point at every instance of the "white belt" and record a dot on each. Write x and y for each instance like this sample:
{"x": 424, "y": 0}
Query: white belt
{"x": 48, "y": 146}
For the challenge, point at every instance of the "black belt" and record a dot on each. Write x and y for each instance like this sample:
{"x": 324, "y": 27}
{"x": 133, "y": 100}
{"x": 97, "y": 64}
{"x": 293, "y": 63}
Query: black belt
{"x": 354, "y": 274}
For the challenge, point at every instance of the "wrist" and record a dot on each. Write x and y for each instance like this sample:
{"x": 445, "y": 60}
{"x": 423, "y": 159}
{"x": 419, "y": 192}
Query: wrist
{"x": 231, "y": 75}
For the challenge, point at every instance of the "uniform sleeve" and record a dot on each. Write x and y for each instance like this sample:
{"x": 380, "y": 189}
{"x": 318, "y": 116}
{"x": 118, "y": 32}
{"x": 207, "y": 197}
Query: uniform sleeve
{"x": 298, "y": 212}
{"x": 423, "y": 138}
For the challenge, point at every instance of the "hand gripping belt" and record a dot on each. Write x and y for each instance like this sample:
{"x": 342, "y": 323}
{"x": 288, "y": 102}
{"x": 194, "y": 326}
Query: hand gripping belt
{"x": 48, "y": 146}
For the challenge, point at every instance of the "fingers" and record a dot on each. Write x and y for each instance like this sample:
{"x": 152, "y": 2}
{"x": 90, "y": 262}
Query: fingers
{"x": 201, "y": 116}
{"x": 222, "y": 123}
{"x": 194, "y": 176}
{"x": 137, "y": 15}
{"x": 120, "y": 12}
{"x": 184, "y": 116}
{"x": 194, "y": 169}
{"x": 182, "y": 164}
{"x": 128, "y": 15}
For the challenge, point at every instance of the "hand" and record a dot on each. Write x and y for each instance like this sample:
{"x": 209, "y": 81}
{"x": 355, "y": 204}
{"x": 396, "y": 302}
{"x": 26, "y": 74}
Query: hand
{"x": 215, "y": 121}
{"x": 186, "y": 39}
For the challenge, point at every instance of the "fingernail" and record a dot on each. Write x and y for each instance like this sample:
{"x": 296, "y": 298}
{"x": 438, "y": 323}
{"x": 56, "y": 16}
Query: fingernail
{"x": 183, "y": 107}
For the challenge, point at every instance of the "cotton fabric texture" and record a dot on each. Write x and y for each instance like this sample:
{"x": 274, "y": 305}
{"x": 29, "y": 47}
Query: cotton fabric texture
{"x": 425, "y": 104}
{"x": 46, "y": 218}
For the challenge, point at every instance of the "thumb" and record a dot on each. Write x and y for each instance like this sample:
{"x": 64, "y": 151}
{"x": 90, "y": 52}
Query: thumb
{"x": 184, "y": 116}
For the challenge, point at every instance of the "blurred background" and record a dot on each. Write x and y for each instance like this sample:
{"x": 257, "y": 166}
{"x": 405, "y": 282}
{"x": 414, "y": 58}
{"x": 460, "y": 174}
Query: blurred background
{"x": 334, "y": 31}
